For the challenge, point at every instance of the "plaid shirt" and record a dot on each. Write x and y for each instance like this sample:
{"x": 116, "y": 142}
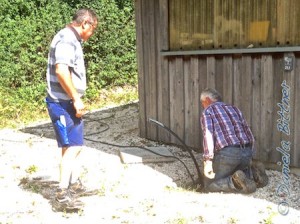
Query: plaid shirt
{"x": 227, "y": 126}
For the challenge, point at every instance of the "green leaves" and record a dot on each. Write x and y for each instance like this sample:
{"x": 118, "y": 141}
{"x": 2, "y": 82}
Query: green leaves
{"x": 25, "y": 36}
{"x": 111, "y": 52}
{"x": 26, "y": 30}
{"x": 29, "y": 26}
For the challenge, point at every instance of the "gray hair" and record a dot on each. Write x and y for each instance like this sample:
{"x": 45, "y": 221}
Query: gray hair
{"x": 85, "y": 14}
{"x": 213, "y": 94}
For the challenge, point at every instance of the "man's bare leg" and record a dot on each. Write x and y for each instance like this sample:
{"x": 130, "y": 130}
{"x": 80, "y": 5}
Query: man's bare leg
{"x": 68, "y": 161}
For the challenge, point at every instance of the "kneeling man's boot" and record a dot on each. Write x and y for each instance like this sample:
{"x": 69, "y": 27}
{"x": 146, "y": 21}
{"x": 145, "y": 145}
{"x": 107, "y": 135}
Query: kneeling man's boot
{"x": 242, "y": 183}
{"x": 259, "y": 174}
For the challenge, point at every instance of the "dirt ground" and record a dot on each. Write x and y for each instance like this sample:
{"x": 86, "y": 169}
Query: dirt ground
{"x": 127, "y": 193}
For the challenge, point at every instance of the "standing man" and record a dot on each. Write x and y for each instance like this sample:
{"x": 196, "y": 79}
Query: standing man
{"x": 228, "y": 146}
{"x": 66, "y": 80}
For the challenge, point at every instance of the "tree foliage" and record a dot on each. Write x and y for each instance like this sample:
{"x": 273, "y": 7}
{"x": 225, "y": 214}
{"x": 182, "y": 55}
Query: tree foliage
{"x": 27, "y": 28}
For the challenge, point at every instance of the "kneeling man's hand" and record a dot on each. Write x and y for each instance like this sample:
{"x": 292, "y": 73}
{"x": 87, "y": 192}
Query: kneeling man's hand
{"x": 208, "y": 169}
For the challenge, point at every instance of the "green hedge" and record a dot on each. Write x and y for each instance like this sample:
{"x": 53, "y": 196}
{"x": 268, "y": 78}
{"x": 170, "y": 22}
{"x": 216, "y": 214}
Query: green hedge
{"x": 27, "y": 28}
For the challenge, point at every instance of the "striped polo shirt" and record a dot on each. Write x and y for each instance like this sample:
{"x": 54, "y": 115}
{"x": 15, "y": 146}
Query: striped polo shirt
{"x": 66, "y": 48}
{"x": 227, "y": 126}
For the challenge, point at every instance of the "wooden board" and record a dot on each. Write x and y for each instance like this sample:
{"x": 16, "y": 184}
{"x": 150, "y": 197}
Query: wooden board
{"x": 138, "y": 155}
{"x": 141, "y": 64}
{"x": 177, "y": 99}
{"x": 192, "y": 102}
{"x": 163, "y": 92}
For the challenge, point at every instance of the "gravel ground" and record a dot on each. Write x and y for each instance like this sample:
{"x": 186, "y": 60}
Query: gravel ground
{"x": 127, "y": 193}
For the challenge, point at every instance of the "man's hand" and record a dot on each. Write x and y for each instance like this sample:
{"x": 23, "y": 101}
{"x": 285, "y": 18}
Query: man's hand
{"x": 208, "y": 169}
{"x": 64, "y": 77}
{"x": 79, "y": 107}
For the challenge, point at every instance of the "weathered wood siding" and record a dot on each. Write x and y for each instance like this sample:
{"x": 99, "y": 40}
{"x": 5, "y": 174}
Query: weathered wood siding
{"x": 219, "y": 24}
{"x": 170, "y": 87}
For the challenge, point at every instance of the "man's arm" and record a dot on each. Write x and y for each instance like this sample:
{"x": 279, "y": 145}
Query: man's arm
{"x": 64, "y": 77}
{"x": 208, "y": 141}
{"x": 208, "y": 138}
{"x": 208, "y": 166}
{"x": 208, "y": 146}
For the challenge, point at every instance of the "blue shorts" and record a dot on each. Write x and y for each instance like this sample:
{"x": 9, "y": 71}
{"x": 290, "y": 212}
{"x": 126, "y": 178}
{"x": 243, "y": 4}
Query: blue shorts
{"x": 68, "y": 128}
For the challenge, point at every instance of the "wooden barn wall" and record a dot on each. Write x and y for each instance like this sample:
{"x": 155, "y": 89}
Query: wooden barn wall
{"x": 223, "y": 24}
{"x": 169, "y": 88}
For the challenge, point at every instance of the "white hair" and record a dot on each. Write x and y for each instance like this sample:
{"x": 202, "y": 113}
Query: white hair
{"x": 212, "y": 94}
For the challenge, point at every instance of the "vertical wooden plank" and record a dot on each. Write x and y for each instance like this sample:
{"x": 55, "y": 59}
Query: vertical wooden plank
{"x": 294, "y": 23}
{"x": 273, "y": 22}
{"x": 241, "y": 16}
{"x": 140, "y": 62}
{"x": 237, "y": 74}
{"x": 226, "y": 16}
{"x": 228, "y": 79}
{"x": 230, "y": 17}
{"x": 164, "y": 24}
{"x": 297, "y": 18}
{"x": 246, "y": 87}
{"x": 282, "y": 21}
{"x": 152, "y": 69}
{"x": 247, "y": 16}
{"x": 267, "y": 103}
{"x": 219, "y": 74}
{"x": 163, "y": 100}
{"x": 275, "y": 135}
{"x": 177, "y": 99}
{"x": 202, "y": 68}
{"x": 190, "y": 29}
{"x": 195, "y": 16}
{"x": 288, "y": 22}
{"x": 223, "y": 35}
{"x": 209, "y": 17}
{"x": 202, "y": 16}
{"x": 180, "y": 23}
{"x": 172, "y": 15}
{"x": 296, "y": 134}
{"x": 146, "y": 64}
{"x": 211, "y": 71}
{"x": 256, "y": 108}
{"x": 192, "y": 103}
{"x": 215, "y": 30}
{"x": 187, "y": 96}
{"x": 289, "y": 77}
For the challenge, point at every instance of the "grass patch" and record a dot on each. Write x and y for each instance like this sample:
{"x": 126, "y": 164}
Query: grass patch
{"x": 113, "y": 96}
{"x": 31, "y": 169}
{"x": 18, "y": 109}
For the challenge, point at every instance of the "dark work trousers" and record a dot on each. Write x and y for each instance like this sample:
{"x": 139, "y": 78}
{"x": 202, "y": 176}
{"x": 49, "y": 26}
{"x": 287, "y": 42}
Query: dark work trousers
{"x": 226, "y": 161}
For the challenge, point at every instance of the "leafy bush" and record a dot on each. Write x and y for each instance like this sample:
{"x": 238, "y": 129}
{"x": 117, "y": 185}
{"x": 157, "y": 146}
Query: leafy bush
{"x": 27, "y": 28}
{"x": 110, "y": 53}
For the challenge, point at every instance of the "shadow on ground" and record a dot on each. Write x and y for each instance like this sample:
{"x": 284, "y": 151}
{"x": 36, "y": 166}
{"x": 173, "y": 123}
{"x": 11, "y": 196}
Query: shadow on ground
{"x": 109, "y": 130}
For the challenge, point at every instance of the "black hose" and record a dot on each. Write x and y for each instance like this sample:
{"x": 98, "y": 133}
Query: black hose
{"x": 200, "y": 177}
{"x": 122, "y": 146}
{"x": 146, "y": 149}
